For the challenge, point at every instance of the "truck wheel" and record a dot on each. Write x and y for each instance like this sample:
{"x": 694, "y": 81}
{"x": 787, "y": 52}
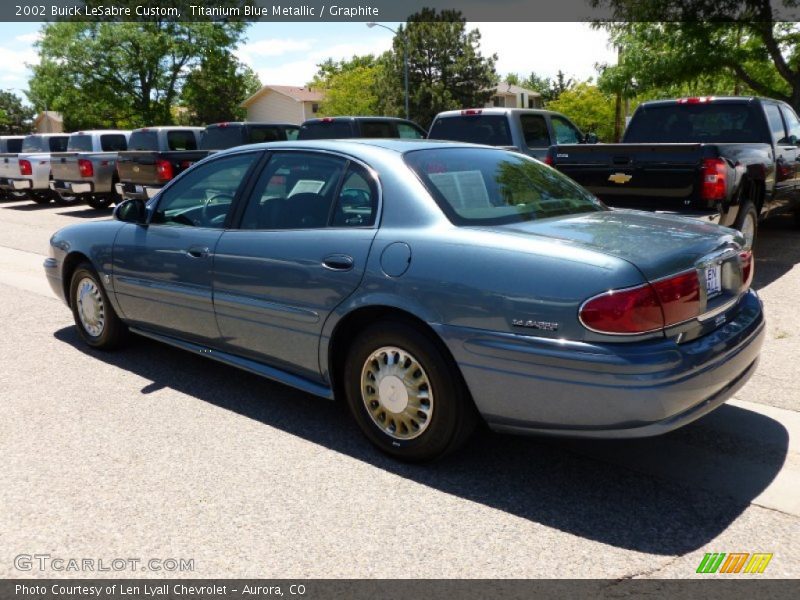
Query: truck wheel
{"x": 65, "y": 199}
{"x": 17, "y": 195}
{"x": 99, "y": 202}
{"x": 41, "y": 197}
{"x": 747, "y": 222}
{"x": 406, "y": 394}
{"x": 97, "y": 322}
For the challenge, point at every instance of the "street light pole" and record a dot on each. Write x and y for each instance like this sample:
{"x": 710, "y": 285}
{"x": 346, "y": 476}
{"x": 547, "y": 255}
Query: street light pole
{"x": 372, "y": 24}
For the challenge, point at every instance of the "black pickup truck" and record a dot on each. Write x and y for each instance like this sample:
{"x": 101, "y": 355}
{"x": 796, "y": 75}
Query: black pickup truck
{"x": 732, "y": 161}
{"x": 158, "y": 154}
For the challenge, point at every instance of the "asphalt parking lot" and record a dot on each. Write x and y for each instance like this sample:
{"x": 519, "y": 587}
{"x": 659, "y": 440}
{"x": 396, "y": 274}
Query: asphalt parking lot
{"x": 151, "y": 452}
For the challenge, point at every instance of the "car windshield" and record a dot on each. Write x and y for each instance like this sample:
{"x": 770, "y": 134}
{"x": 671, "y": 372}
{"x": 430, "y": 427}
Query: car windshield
{"x": 491, "y": 130}
{"x": 479, "y": 186}
{"x": 702, "y": 122}
{"x": 143, "y": 140}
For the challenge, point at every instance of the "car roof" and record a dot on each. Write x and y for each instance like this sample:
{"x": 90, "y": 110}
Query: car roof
{"x": 224, "y": 124}
{"x": 496, "y": 111}
{"x": 359, "y": 145}
{"x": 356, "y": 118}
{"x": 99, "y": 131}
{"x": 175, "y": 127}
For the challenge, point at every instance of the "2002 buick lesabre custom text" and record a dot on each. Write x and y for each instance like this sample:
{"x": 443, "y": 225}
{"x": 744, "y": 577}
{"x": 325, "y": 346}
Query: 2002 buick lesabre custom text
{"x": 429, "y": 284}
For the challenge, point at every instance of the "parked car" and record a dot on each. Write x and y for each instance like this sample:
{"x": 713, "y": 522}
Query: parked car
{"x": 732, "y": 161}
{"x": 426, "y": 284}
{"x": 29, "y": 170}
{"x": 87, "y": 171}
{"x": 154, "y": 156}
{"x": 9, "y": 145}
{"x": 221, "y": 136}
{"x": 328, "y": 128}
{"x": 531, "y": 131}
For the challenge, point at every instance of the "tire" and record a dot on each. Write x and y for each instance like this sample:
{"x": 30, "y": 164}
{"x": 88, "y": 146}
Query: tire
{"x": 747, "y": 221}
{"x": 17, "y": 195}
{"x": 65, "y": 200}
{"x": 40, "y": 197}
{"x": 100, "y": 202}
{"x": 97, "y": 322}
{"x": 438, "y": 391}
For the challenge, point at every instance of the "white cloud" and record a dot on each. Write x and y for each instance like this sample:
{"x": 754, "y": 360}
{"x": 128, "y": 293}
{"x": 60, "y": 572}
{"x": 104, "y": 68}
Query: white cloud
{"x": 29, "y": 38}
{"x": 272, "y": 47}
{"x": 544, "y": 48}
{"x": 296, "y": 73}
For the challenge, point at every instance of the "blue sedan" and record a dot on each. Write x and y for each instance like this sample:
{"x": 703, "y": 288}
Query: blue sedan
{"x": 428, "y": 284}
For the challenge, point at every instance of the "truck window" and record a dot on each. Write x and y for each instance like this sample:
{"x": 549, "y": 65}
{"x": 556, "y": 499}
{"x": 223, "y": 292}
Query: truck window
{"x": 33, "y": 143}
{"x": 566, "y": 132}
{"x": 14, "y": 146}
{"x": 79, "y": 143}
{"x": 710, "y": 122}
{"x": 775, "y": 122}
{"x": 113, "y": 142}
{"x": 143, "y": 140}
{"x": 404, "y": 130}
{"x": 534, "y": 129}
{"x": 58, "y": 143}
{"x": 263, "y": 134}
{"x": 222, "y": 137}
{"x": 291, "y": 132}
{"x": 792, "y": 123}
{"x": 492, "y": 130}
{"x": 377, "y": 129}
{"x": 181, "y": 140}
{"x": 325, "y": 130}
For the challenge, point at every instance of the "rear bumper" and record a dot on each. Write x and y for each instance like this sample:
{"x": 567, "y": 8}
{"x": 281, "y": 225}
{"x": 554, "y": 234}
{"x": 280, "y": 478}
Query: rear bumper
{"x": 134, "y": 191}
{"x": 20, "y": 185}
{"x": 72, "y": 187}
{"x": 536, "y": 385}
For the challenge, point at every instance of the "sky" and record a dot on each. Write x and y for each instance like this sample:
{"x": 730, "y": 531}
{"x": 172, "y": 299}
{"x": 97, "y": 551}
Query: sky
{"x": 287, "y": 53}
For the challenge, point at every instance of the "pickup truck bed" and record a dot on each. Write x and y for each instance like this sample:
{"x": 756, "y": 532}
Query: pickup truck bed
{"x": 142, "y": 173}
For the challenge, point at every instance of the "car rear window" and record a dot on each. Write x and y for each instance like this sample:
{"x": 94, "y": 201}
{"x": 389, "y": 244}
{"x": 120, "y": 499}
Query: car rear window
{"x": 143, "y": 140}
{"x": 476, "y": 186}
{"x": 79, "y": 143}
{"x": 57, "y": 143}
{"x": 698, "y": 123}
{"x": 220, "y": 138}
{"x": 14, "y": 145}
{"x": 325, "y": 130}
{"x": 113, "y": 142}
{"x": 377, "y": 129}
{"x": 181, "y": 140}
{"x": 492, "y": 130}
{"x": 264, "y": 134}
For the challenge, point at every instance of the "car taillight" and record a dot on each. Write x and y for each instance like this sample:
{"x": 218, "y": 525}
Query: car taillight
{"x": 548, "y": 160}
{"x": 748, "y": 268}
{"x": 645, "y": 308}
{"x": 85, "y": 167}
{"x": 164, "y": 170}
{"x": 25, "y": 167}
{"x": 715, "y": 171}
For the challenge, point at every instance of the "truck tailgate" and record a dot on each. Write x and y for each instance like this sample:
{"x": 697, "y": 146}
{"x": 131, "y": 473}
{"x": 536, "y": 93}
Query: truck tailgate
{"x": 635, "y": 175}
{"x": 138, "y": 167}
{"x": 9, "y": 166}
{"x": 64, "y": 166}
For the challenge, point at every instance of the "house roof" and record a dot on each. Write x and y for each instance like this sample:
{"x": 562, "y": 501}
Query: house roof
{"x": 49, "y": 114}
{"x": 299, "y": 94}
{"x": 509, "y": 89}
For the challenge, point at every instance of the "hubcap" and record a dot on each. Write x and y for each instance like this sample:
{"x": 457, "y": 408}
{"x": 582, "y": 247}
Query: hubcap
{"x": 749, "y": 229}
{"x": 397, "y": 393}
{"x": 90, "y": 307}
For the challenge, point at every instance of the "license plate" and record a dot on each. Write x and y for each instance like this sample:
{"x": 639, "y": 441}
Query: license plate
{"x": 713, "y": 281}
{"x": 138, "y": 189}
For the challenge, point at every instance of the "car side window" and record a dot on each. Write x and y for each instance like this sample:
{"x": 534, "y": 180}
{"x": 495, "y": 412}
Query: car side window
{"x": 292, "y": 133}
{"x": 295, "y": 191}
{"x": 775, "y": 122}
{"x": 566, "y": 132}
{"x": 404, "y": 130}
{"x": 534, "y": 129}
{"x": 792, "y": 124}
{"x": 357, "y": 202}
{"x": 204, "y": 195}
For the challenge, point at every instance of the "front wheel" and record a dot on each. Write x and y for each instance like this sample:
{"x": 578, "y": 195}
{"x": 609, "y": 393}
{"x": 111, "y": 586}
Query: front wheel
{"x": 406, "y": 394}
{"x": 97, "y": 322}
{"x": 747, "y": 222}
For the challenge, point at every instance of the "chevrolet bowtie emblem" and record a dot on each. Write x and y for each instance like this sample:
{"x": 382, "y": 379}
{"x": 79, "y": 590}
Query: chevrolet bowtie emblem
{"x": 620, "y": 177}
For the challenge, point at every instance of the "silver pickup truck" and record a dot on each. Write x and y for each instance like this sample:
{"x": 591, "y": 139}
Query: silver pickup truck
{"x": 87, "y": 171}
{"x": 10, "y": 144}
{"x": 29, "y": 171}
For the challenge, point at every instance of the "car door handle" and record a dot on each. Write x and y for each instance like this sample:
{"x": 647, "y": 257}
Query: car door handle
{"x": 197, "y": 252}
{"x": 338, "y": 262}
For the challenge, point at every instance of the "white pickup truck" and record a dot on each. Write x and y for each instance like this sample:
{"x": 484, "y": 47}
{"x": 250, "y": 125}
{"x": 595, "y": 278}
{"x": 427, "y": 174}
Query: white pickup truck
{"x": 29, "y": 171}
{"x": 88, "y": 169}
{"x": 10, "y": 145}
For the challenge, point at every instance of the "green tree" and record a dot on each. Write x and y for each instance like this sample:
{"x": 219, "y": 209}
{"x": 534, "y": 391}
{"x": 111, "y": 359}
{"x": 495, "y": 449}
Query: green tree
{"x": 15, "y": 117}
{"x": 353, "y": 92}
{"x": 446, "y": 69}
{"x": 695, "y": 45}
{"x": 214, "y": 91}
{"x": 122, "y": 74}
{"x": 590, "y": 108}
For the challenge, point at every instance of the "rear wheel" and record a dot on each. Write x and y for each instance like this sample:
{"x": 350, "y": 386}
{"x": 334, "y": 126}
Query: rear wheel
{"x": 406, "y": 394}
{"x": 17, "y": 195}
{"x": 65, "y": 199}
{"x": 97, "y": 322}
{"x": 41, "y": 197}
{"x": 747, "y": 222}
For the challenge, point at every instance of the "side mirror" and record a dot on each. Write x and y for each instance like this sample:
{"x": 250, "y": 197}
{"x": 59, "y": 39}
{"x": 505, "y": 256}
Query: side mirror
{"x": 590, "y": 138}
{"x": 131, "y": 211}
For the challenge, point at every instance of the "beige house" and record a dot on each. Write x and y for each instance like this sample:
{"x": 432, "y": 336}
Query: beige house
{"x": 283, "y": 104}
{"x": 48, "y": 122}
{"x": 507, "y": 95}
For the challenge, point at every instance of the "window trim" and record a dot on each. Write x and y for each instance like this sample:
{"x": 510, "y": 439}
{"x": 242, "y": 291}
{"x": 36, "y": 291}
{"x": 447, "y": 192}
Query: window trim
{"x": 244, "y": 188}
{"x": 236, "y": 223}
